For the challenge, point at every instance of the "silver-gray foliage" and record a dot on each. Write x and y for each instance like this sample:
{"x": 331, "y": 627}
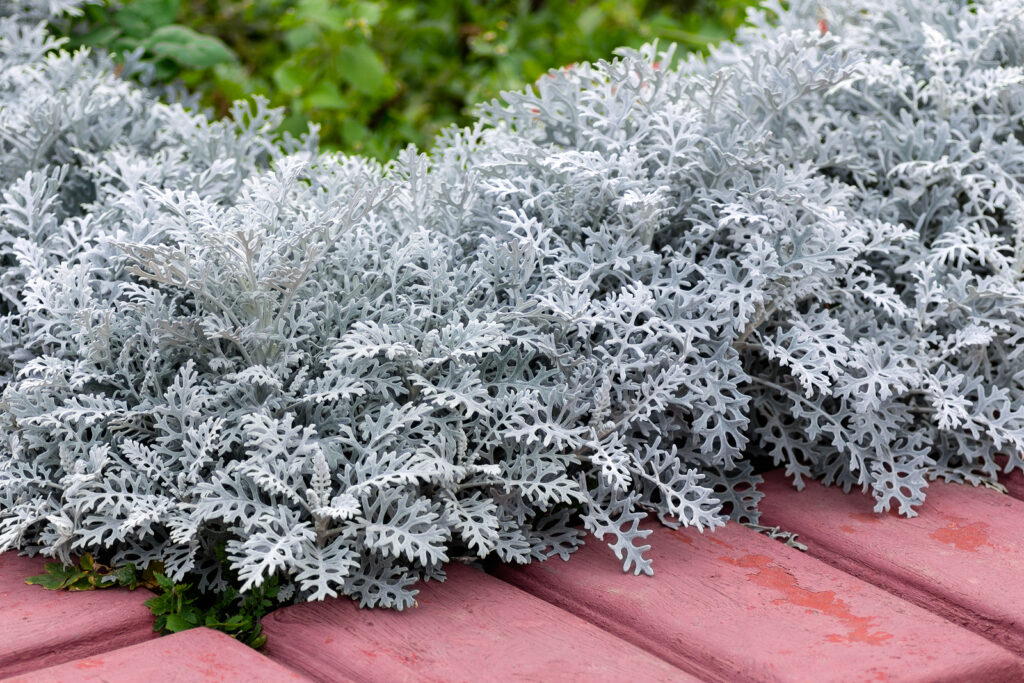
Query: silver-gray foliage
{"x": 598, "y": 304}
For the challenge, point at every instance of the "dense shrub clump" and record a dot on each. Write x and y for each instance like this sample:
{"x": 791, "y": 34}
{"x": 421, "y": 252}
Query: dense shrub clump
{"x": 600, "y": 302}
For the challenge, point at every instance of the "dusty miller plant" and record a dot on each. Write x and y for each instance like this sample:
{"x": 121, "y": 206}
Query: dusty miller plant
{"x": 599, "y": 304}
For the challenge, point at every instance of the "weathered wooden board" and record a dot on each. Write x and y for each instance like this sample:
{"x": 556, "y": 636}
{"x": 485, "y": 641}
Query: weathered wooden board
{"x": 472, "y": 627}
{"x": 39, "y": 628}
{"x": 738, "y": 606}
{"x": 962, "y": 557}
{"x": 1014, "y": 483}
{"x": 728, "y": 606}
{"x": 200, "y": 655}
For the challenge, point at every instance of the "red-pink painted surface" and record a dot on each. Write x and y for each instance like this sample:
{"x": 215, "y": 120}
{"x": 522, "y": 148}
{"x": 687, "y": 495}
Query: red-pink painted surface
{"x": 961, "y": 557}
{"x": 200, "y": 655}
{"x": 1014, "y": 483}
{"x": 728, "y": 606}
{"x": 737, "y": 606}
{"x": 39, "y": 627}
{"x": 472, "y": 627}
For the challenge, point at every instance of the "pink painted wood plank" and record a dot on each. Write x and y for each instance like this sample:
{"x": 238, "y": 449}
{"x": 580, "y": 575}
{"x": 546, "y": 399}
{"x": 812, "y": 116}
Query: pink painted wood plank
{"x": 472, "y": 627}
{"x": 200, "y": 655}
{"x": 39, "y": 628}
{"x": 962, "y": 557}
{"x": 737, "y": 606}
{"x": 1014, "y": 483}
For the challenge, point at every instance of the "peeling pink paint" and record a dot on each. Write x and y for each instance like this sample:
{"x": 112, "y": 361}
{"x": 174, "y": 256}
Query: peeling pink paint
{"x": 823, "y": 602}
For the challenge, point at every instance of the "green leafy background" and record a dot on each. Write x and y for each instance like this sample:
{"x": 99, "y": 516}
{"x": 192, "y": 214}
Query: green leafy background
{"x": 376, "y": 76}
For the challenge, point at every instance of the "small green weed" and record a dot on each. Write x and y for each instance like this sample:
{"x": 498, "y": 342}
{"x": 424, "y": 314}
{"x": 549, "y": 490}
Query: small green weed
{"x": 88, "y": 574}
{"x": 176, "y": 606}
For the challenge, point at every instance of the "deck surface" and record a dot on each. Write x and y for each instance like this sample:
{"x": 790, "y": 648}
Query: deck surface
{"x": 875, "y": 598}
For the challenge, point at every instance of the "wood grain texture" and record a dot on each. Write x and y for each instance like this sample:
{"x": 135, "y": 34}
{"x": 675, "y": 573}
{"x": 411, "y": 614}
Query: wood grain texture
{"x": 39, "y": 628}
{"x": 199, "y": 655}
{"x": 472, "y": 627}
{"x": 737, "y": 606}
{"x": 962, "y": 557}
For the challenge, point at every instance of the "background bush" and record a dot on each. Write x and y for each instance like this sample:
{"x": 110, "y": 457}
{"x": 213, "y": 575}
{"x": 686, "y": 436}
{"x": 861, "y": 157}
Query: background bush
{"x": 379, "y": 75}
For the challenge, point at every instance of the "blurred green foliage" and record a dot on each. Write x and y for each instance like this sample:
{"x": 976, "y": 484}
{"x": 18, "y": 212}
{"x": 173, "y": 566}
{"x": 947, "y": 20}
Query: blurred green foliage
{"x": 378, "y": 75}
